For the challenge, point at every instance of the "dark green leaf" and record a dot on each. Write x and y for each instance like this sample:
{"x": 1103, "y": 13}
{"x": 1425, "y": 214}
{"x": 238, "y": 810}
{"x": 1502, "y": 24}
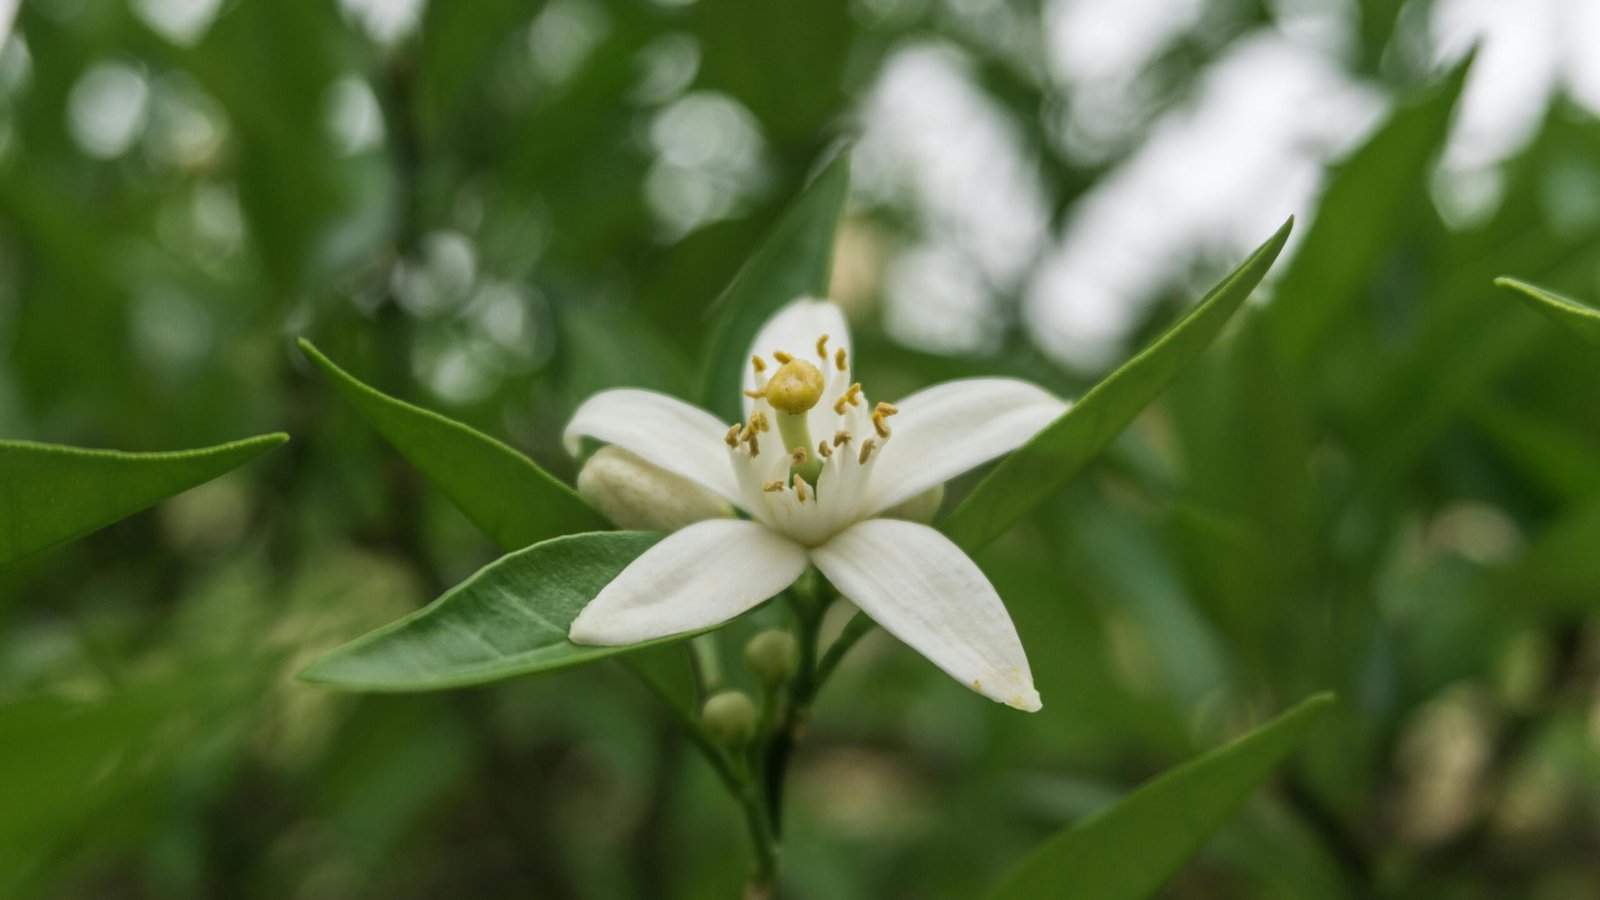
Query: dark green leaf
{"x": 503, "y": 492}
{"x": 1129, "y": 851}
{"x": 50, "y": 494}
{"x": 1361, "y": 215}
{"x": 509, "y": 619}
{"x": 795, "y": 260}
{"x": 1579, "y": 318}
{"x": 1044, "y": 464}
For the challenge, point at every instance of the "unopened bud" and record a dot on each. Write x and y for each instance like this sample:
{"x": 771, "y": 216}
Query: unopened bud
{"x": 635, "y": 494}
{"x": 921, "y": 508}
{"x": 773, "y": 657}
{"x": 730, "y": 718}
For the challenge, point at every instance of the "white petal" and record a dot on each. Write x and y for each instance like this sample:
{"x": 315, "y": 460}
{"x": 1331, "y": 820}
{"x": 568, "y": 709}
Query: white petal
{"x": 922, "y": 589}
{"x": 661, "y": 430}
{"x": 794, "y": 329}
{"x": 947, "y": 429}
{"x": 701, "y": 576}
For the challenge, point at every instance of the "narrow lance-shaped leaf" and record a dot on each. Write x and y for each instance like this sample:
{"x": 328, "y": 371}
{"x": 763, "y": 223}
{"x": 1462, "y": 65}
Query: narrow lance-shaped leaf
{"x": 794, "y": 260}
{"x": 1361, "y": 214}
{"x": 509, "y": 619}
{"x": 1580, "y": 318}
{"x": 1129, "y": 851}
{"x": 1043, "y": 465}
{"x": 50, "y": 494}
{"x": 506, "y": 494}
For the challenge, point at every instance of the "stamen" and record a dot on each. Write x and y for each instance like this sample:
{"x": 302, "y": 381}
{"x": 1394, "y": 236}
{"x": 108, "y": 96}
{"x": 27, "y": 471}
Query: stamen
{"x": 798, "y": 456}
{"x": 749, "y": 437}
{"x": 782, "y": 357}
{"x": 838, "y": 359}
{"x": 880, "y": 425}
{"x": 799, "y": 488}
{"x": 867, "y": 447}
{"x": 773, "y": 486}
{"x": 822, "y": 347}
{"x": 732, "y": 438}
{"x": 759, "y": 363}
{"x": 840, "y": 438}
{"x": 823, "y": 450}
{"x": 887, "y": 409}
{"x": 755, "y": 393}
{"x": 851, "y": 395}
{"x": 759, "y": 420}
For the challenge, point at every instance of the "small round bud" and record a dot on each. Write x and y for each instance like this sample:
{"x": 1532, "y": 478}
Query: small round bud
{"x": 773, "y": 656}
{"x": 635, "y": 494}
{"x": 795, "y": 387}
{"x": 730, "y": 718}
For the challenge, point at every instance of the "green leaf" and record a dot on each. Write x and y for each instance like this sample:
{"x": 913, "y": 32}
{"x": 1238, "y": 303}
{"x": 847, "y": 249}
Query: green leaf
{"x": 1043, "y": 465}
{"x": 1366, "y": 209}
{"x": 509, "y": 619}
{"x": 794, "y": 260}
{"x": 1580, "y": 318}
{"x": 50, "y": 494}
{"x": 1127, "y": 852}
{"x": 503, "y": 492}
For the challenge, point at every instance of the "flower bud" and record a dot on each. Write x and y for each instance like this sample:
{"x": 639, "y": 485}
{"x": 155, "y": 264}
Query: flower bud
{"x": 730, "y": 718}
{"x": 635, "y": 494}
{"x": 773, "y": 657}
{"x": 921, "y": 508}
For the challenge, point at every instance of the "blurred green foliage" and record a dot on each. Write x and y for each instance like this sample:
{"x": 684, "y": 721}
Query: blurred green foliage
{"x": 1386, "y": 480}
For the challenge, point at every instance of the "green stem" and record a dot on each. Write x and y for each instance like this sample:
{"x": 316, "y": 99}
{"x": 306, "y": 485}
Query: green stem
{"x": 854, "y": 630}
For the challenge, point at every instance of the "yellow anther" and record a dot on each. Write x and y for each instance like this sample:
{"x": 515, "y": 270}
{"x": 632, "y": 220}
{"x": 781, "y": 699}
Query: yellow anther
{"x": 798, "y": 456}
{"x": 773, "y": 486}
{"x": 795, "y": 387}
{"x": 887, "y": 409}
{"x": 755, "y": 393}
{"x": 840, "y": 438}
{"x": 759, "y": 420}
{"x": 823, "y": 450}
{"x": 759, "y": 363}
{"x": 880, "y": 425}
{"x": 839, "y": 359}
{"x": 853, "y": 394}
{"x": 838, "y": 405}
{"x": 866, "y": 450}
{"x": 749, "y": 437}
{"x": 782, "y": 357}
{"x": 732, "y": 438}
{"x": 822, "y": 348}
{"x": 799, "y": 488}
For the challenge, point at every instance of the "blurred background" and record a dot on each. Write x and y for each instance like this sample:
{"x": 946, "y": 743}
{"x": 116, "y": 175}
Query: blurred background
{"x": 1385, "y": 481}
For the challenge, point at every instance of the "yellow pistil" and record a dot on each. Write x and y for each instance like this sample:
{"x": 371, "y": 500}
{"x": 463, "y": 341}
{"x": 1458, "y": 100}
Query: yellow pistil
{"x": 795, "y": 387}
{"x": 867, "y": 447}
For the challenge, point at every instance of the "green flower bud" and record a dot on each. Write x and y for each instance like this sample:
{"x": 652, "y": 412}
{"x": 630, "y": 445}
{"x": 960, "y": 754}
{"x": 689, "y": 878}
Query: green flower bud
{"x": 730, "y": 718}
{"x": 773, "y": 657}
{"x": 635, "y": 494}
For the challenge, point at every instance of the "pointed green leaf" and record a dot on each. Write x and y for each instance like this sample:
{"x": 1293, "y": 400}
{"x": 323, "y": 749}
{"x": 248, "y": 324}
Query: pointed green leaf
{"x": 1043, "y": 465}
{"x": 794, "y": 260}
{"x": 1579, "y": 318}
{"x": 509, "y": 619}
{"x": 1362, "y": 214}
{"x": 50, "y": 494}
{"x": 504, "y": 493}
{"x": 1130, "y": 850}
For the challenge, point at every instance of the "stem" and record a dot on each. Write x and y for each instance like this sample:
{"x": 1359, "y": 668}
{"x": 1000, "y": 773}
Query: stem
{"x": 854, "y": 630}
{"x": 797, "y": 712}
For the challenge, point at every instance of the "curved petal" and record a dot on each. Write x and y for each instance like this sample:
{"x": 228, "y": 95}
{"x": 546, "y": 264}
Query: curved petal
{"x": 794, "y": 329}
{"x": 923, "y": 590}
{"x": 695, "y": 578}
{"x": 947, "y": 429}
{"x": 661, "y": 430}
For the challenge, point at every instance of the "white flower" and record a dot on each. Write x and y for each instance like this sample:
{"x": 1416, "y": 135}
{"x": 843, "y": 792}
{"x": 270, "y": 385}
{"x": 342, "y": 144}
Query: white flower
{"x": 816, "y": 466}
